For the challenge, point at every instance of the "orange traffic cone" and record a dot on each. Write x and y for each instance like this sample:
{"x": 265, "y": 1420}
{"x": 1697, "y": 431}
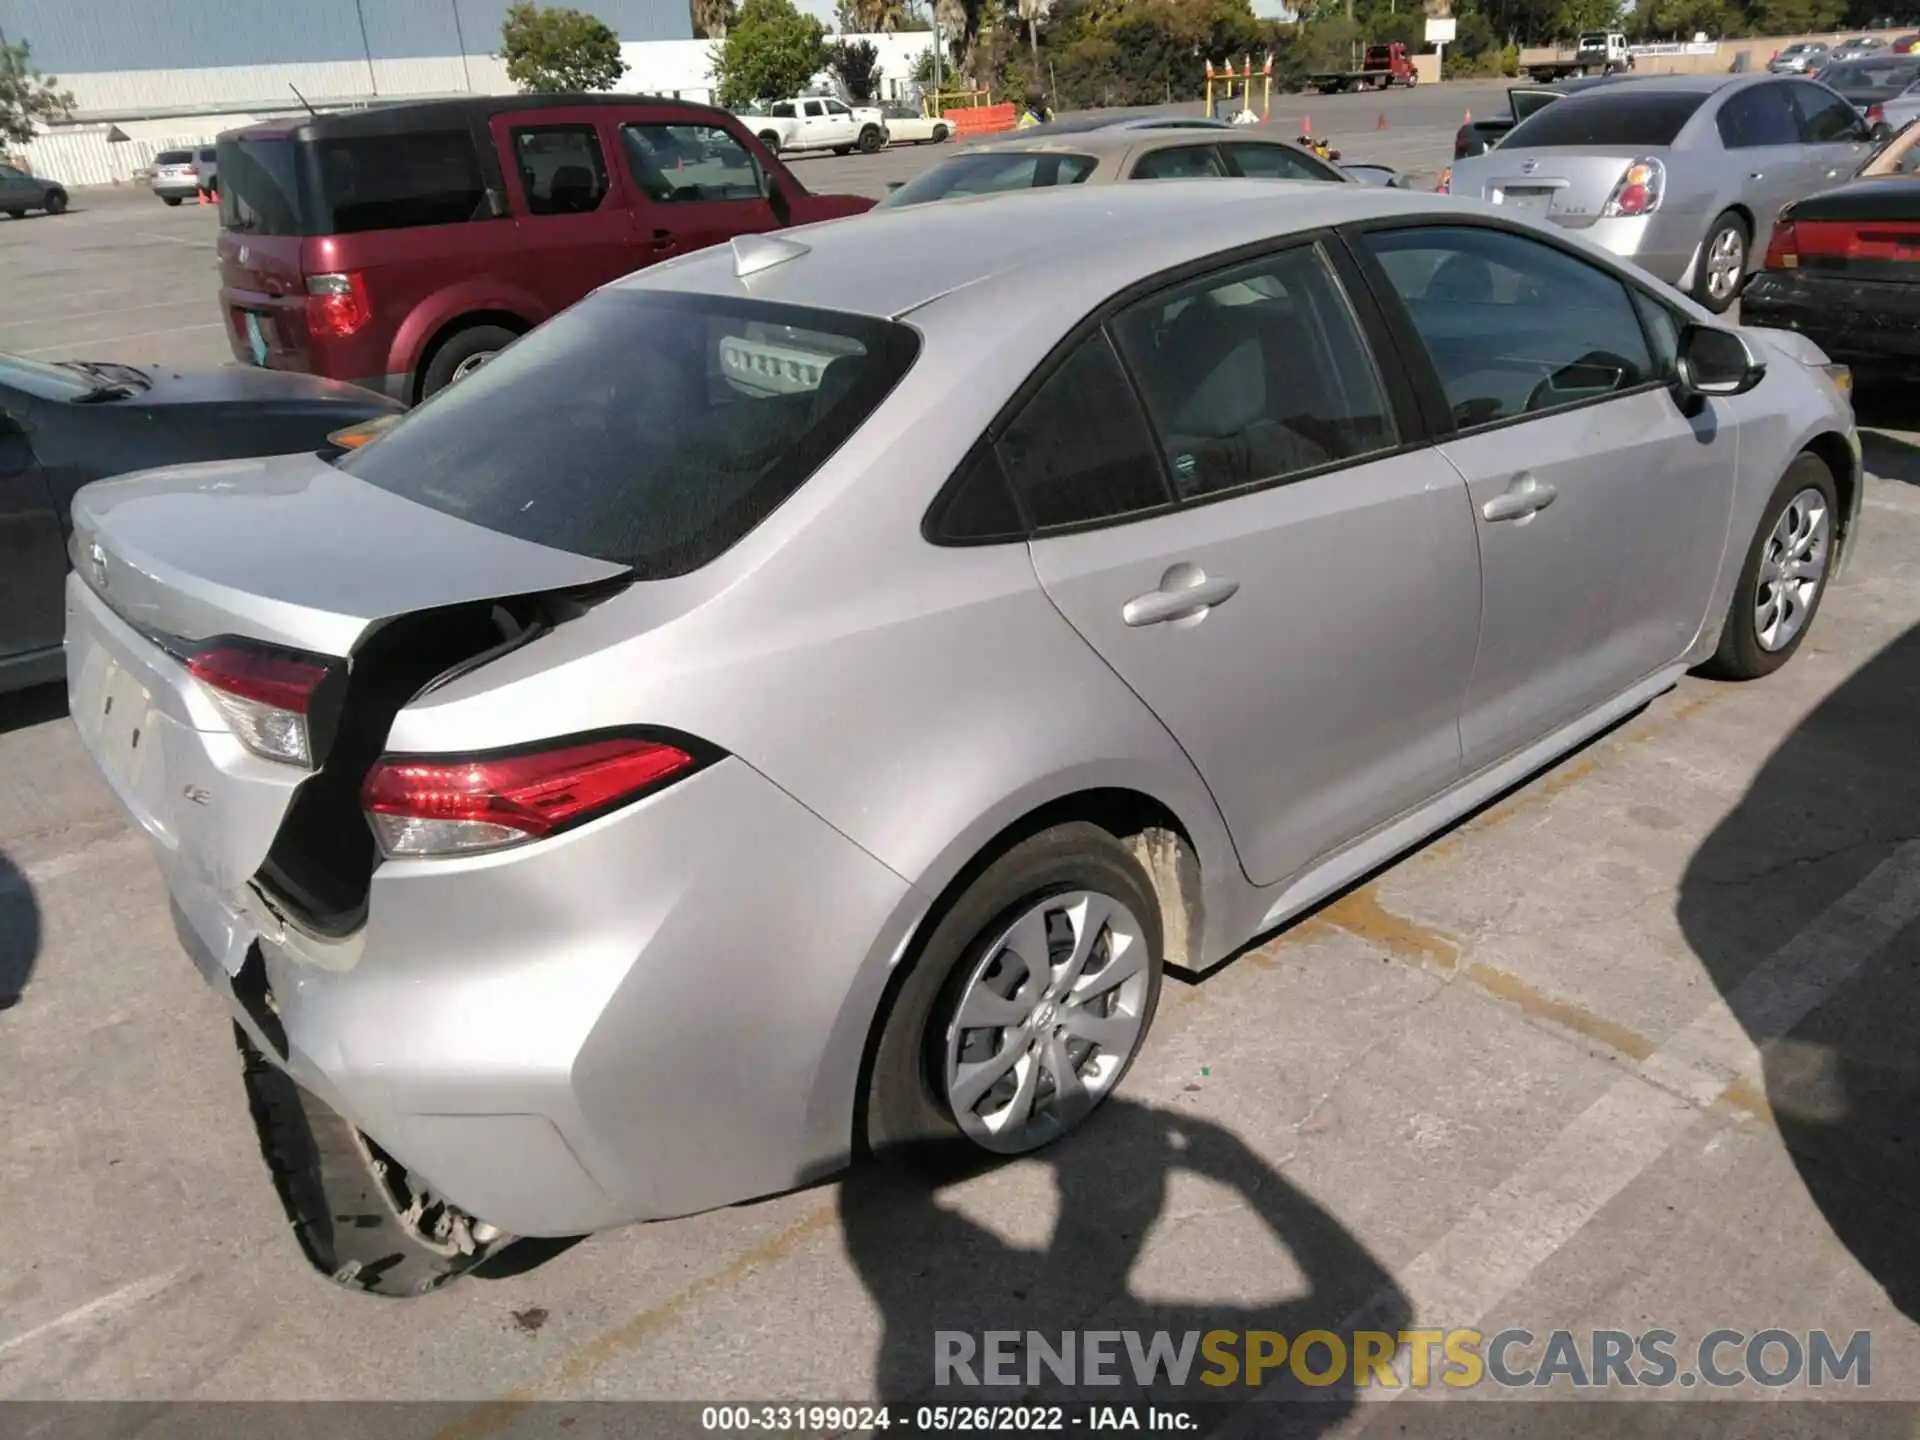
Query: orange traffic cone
{"x": 1381, "y": 123}
{"x": 203, "y": 196}
{"x": 1306, "y": 127}
{"x": 1469, "y": 119}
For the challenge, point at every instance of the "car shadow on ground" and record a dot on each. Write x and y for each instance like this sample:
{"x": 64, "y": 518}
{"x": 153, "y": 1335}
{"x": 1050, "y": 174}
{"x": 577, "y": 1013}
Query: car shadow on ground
{"x": 1837, "y": 797}
{"x": 930, "y": 1268}
{"x": 1887, "y": 456}
{"x": 19, "y": 932}
{"x": 21, "y": 708}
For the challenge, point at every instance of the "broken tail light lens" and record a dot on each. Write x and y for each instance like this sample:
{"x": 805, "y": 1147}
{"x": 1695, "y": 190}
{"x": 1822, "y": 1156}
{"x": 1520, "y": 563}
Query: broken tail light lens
{"x": 1639, "y": 190}
{"x": 265, "y": 698}
{"x": 337, "y": 305}
{"x": 425, "y": 805}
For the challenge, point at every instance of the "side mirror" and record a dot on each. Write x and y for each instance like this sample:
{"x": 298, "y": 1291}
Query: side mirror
{"x": 1713, "y": 361}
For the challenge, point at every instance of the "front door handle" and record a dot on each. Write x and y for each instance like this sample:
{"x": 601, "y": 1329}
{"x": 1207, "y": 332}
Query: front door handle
{"x": 1185, "y": 593}
{"x": 1758, "y": 175}
{"x": 1526, "y": 495}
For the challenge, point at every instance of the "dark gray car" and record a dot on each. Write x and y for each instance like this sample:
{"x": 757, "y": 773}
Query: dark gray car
{"x": 21, "y": 192}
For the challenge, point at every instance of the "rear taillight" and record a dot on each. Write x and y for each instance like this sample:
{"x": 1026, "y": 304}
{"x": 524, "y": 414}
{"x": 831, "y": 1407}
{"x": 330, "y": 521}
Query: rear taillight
{"x": 337, "y": 304}
{"x": 1444, "y": 185}
{"x": 267, "y": 699}
{"x": 1783, "y": 247}
{"x": 1876, "y": 115}
{"x": 1639, "y": 191}
{"x": 1838, "y": 242}
{"x": 422, "y": 805}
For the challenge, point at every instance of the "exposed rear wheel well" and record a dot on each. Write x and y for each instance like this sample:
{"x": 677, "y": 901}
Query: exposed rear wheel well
{"x": 505, "y": 319}
{"x": 1834, "y": 451}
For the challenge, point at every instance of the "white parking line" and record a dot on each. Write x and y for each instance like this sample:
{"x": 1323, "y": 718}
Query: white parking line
{"x": 175, "y": 240}
{"x": 104, "y": 1308}
{"x": 99, "y": 340}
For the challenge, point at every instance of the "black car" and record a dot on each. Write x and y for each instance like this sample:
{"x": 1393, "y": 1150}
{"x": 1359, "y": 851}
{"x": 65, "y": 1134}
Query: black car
{"x": 1869, "y": 84}
{"x": 1476, "y": 137}
{"x": 1843, "y": 267}
{"x": 62, "y": 425}
{"x": 21, "y": 192}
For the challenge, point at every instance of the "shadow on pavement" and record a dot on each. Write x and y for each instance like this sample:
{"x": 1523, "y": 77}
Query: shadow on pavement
{"x": 21, "y": 708}
{"x": 19, "y": 932}
{"x": 1832, "y": 802}
{"x": 929, "y": 1268}
{"x": 1887, "y": 456}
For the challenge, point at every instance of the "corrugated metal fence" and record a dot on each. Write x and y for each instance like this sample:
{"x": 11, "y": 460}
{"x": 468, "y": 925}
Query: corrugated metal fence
{"x": 83, "y": 155}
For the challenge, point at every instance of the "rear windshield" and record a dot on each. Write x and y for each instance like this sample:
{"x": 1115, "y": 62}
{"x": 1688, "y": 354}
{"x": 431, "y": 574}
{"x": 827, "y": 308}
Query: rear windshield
{"x": 990, "y": 173}
{"x": 347, "y": 186}
{"x": 174, "y": 157}
{"x": 1611, "y": 115}
{"x": 1888, "y": 73}
{"x": 650, "y": 430}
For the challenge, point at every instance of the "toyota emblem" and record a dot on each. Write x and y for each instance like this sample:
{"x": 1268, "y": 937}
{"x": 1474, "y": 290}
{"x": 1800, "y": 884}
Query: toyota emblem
{"x": 97, "y": 557}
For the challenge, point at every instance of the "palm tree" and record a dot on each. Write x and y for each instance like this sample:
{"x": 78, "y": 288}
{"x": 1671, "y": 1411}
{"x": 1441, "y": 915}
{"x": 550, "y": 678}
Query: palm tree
{"x": 879, "y": 17}
{"x": 711, "y": 18}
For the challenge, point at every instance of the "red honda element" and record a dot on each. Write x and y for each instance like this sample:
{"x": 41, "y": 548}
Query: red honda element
{"x": 401, "y": 246}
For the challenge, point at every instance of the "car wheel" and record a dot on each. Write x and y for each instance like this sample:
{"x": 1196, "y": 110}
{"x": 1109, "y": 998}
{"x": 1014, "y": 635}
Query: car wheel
{"x": 1784, "y": 577}
{"x": 1413, "y": 78}
{"x": 939, "y": 134}
{"x": 56, "y": 202}
{"x": 462, "y": 354}
{"x": 771, "y": 139}
{"x": 1881, "y": 133}
{"x": 1029, "y": 1000}
{"x": 1723, "y": 261}
{"x": 357, "y": 1218}
{"x": 871, "y": 139}
{"x": 170, "y": 199}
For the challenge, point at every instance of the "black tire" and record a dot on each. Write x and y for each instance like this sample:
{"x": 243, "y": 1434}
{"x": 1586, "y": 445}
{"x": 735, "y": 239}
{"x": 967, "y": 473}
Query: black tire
{"x": 843, "y": 149}
{"x": 771, "y": 139}
{"x": 905, "y": 1110}
{"x": 1881, "y": 133}
{"x": 170, "y": 199}
{"x": 1727, "y": 222}
{"x": 460, "y": 348}
{"x": 872, "y": 137}
{"x": 338, "y": 1192}
{"x": 1413, "y": 78}
{"x": 1740, "y": 655}
{"x": 939, "y": 134}
{"x": 56, "y": 202}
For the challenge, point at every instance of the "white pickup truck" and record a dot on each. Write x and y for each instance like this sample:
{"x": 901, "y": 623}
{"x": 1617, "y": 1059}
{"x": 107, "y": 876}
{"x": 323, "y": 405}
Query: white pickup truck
{"x": 817, "y": 122}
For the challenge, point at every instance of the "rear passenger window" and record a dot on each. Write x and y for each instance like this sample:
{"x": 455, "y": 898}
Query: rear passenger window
{"x": 1256, "y": 373}
{"x": 1514, "y": 326}
{"x": 562, "y": 170}
{"x": 391, "y": 182}
{"x": 1188, "y": 162}
{"x": 1080, "y": 450}
{"x": 1758, "y": 115}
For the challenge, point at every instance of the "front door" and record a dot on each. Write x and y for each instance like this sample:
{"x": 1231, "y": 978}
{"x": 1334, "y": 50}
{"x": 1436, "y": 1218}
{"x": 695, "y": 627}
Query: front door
{"x": 1601, "y": 509}
{"x": 695, "y": 184}
{"x": 1297, "y": 597}
{"x": 16, "y": 190}
{"x": 568, "y": 206}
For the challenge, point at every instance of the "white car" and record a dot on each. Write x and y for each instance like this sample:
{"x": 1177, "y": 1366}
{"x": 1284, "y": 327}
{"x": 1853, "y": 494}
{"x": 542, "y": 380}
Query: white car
{"x": 818, "y": 122}
{"x": 907, "y": 126}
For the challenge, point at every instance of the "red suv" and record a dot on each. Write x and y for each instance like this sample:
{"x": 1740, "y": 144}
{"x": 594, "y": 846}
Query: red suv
{"x": 400, "y": 247}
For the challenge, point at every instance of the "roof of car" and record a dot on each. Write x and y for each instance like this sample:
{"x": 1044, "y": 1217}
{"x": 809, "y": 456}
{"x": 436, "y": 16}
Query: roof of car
{"x": 1061, "y": 242}
{"x": 460, "y": 110}
{"x": 1118, "y": 141}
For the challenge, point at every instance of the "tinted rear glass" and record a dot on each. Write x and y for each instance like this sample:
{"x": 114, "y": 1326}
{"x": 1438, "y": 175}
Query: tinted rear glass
{"x": 259, "y": 187}
{"x": 1609, "y": 116}
{"x": 390, "y": 182}
{"x": 651, "y": 430}
{"x": 990, "y": 173}
{"x": 174, "y": 157}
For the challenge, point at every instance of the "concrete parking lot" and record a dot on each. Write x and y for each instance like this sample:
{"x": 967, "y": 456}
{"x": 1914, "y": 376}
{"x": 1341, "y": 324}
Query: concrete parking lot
{"x": 1630, "y": 1049}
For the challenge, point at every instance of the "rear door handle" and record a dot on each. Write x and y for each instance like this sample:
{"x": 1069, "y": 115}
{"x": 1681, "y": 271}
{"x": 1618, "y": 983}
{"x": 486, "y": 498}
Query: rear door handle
{"x": 1185, "y": 593}
{"x": 1525, "y": 496}
{"x": 663, "y": 239}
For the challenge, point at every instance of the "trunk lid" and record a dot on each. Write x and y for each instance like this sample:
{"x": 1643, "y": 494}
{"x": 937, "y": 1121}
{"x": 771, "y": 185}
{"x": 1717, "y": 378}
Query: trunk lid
{"x": 291, "y": 554}
{"x": 1566, "y": 186}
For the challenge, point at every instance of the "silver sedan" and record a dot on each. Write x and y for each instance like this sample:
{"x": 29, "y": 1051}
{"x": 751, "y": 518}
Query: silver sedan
{"x": 799, "y": 700}
{"x": 1681, "y": 174}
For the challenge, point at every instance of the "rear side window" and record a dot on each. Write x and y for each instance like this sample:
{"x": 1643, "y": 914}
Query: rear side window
{"x": 206, "y": 157}
{"x": 1758, "y": 115}
{"x": 1611, "y": 115}
{"x": 260, "y": 187}
{"x": 647, "y": 429}
{"x": 1186, "y": 162}
{"x": 562, "y": 171}
{"x": 1080, "y": 450}
{"x": 990, "y": 173}
{"x": 393, "y": 182}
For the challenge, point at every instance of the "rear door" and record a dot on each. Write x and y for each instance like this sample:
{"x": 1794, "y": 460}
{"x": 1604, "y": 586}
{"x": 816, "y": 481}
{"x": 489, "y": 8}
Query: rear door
{"x": 1267, "y": 556}
{"x": 694, "y": 184}
{"x": 1835, "y": 134}
{"x": 1601, "y": 510}
{"x": 33, "y": 550}
{"x": 570, "y": 206}
{"x": 1760, "y": 129}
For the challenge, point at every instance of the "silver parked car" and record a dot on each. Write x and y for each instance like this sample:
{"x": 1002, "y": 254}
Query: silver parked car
{"x": 1804, "y": 58}
{"x": 186, "y": 174}
{"x": 752, "y": 721}
{"x": 1683, "y": 175}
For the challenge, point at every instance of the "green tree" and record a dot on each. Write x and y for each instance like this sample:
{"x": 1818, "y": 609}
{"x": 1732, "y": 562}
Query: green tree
{"x": 1796, "y": 17}
{"x": 857, "y": 63}
{"x": 27, "y": 98}
{"x": 553, "y": 48}
{"x": 712, "y": 18}
{"x": 772, "y": 51}
{"x": 870, "y": 17}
